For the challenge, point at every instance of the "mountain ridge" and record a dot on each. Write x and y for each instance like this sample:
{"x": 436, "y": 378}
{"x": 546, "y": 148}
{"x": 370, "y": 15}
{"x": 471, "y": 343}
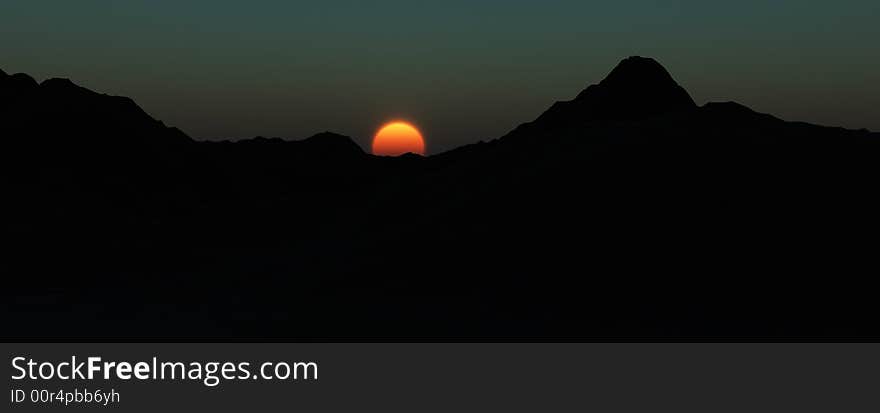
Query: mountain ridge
{"x": 625, "y": 214}
{"x": 636, "y": 88}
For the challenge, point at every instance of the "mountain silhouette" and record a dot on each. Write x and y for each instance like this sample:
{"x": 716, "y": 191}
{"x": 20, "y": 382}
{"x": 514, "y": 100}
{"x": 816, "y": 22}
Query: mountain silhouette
{"x": 636, "y": 89}
{"x": 628, "y": 212}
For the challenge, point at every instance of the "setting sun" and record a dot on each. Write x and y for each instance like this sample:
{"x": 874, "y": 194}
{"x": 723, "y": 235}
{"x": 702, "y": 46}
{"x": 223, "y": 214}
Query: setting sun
{"x": 398, "y": 138}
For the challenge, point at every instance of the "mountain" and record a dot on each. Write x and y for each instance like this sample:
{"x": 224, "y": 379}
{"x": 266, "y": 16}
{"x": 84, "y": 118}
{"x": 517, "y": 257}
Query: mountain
{"x": 55, "y": 106}
{"x": 637, "y": 88}
{"x": 628, "y": 212}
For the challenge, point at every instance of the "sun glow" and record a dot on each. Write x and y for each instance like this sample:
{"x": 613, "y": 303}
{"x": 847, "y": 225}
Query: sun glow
{"x": 397, "y": 138}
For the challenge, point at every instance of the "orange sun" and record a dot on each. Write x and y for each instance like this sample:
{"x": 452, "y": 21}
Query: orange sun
{"x": 398, "y": 138}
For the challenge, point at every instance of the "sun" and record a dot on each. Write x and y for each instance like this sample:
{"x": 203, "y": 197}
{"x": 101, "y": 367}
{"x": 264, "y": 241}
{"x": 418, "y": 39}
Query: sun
{"x": 397, "y": 138}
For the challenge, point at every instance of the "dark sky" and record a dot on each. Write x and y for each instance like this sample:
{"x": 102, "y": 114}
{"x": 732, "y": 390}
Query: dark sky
{"x": 460, "y": 70}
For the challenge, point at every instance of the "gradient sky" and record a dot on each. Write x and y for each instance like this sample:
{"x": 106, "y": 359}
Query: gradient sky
{"x": 460, "y": 70}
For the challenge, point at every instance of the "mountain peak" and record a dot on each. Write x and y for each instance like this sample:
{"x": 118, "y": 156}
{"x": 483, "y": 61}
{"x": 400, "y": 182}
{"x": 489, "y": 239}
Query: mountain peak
{"x": 22, "y": 80}
{"x": 333, "y": 142}
{"x": 639, "y": 71}
{"x": 16, "y": 92}
{"x": 58, "y": 83}
{"x": 636, "y": 88}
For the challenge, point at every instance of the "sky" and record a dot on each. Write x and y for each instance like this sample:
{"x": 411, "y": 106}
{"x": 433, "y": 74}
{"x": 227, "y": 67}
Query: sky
{"x": 462, "y": 71}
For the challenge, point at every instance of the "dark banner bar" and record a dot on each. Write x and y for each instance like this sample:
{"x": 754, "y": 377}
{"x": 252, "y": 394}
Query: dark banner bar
{"x": 442, "y": 377}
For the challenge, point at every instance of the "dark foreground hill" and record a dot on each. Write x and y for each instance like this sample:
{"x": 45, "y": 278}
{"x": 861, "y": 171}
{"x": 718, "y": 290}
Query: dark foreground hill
{"x": 628, "y": 212}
